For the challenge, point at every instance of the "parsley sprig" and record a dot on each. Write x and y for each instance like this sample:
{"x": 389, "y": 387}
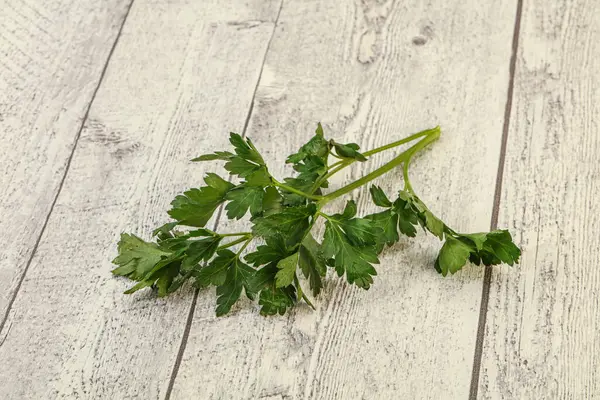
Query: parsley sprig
{"x": 283, "y": 214}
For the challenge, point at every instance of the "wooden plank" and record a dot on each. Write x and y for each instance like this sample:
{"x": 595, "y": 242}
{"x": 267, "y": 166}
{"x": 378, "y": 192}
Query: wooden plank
{"x": 542, "y": 333}
{"x": 182, "y": 72}
{"x": 52, "y": 54}
{"x": 372, "y": 72}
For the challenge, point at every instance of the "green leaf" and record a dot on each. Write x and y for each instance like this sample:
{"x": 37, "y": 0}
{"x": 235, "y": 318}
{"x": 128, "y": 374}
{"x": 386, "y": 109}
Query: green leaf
{"x": 137, "y": 257}
{"x": 360, "y": 231}
{"x": 316, "y": 146}
{"x": 245, "y": 149}
{"x": 277, "y": 301}
{"x": 491, "y": 248}
{"x": 196, "y": 206}
{"x": 292, "y": 199}
{"x": 263, "y": 277}
{"x": 260, "y": 177}
{"x": 165, "y": 230}
{"x": 215, "y": 273}
{"x": 291, "y": 223}
{"x": 478, "y": 239}
{"x": 353, "y": 260}
{"x": 349, "y": 150}
{"x": 273, "y": 250}
{"x": 311, "y": 163}
{"x": 287, "y": 271}
{"x": 387, "y": 222}
{"x": 434, "y": 224}
{"x": 453, "y": 255}
{"x": 217, "y": 155}
{"x": 200, "y": 250}
{"x": 240, "y": 167}
{"x": 238, "y": 277}
{"x": 272, "y": 201}
{"x": 164, "y": 282}
{"x": 407, "y": 218}
{"x": 379, "y": 197}
{"x": 243, "y": 198}
{"x": 139, "y": 286}
{"x": 178, "y": 282}
{"x": 319, "y": 130}
{"x": 312, "y": 263}
{"x": 500, "y": 242}
{"x": 147, "y": 263}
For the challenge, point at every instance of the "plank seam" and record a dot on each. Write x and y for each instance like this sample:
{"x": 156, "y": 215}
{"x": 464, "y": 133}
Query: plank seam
{"x": 190, "y": 317}
{"x": 487, "y": 278}
{"x": 67, "y": 167}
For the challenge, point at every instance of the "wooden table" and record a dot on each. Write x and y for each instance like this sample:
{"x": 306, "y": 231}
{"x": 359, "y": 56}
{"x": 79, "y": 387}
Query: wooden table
{"x": 102, "y": 104}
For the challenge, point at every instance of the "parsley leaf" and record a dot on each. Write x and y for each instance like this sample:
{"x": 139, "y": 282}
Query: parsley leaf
{"x": 243, "y": 198}
{"x": 200, "y": 250}
{"x": 349, "y": 150}
{"x": 352, "y": 246}
{"x": 273, "y": 250}
{"x": 317, "y": 146}
{"x": 387, "y": 222}
{"x": 287, "y": 271}
{"x": 312, "y": 263}
{"x": 137, "y": 257}
{"x": 291, "y": 223}
{"x": 379, "y": 197}
{"x": 453, "y": 256}
{"x": 272, "y": 201}
{"x": 245, "y": 162}
{"x": 196, "y": 206}
{"x": 230, "y": 275}
{"x": 238, "y": 277}
{"x": 277, "y": 300}
{"x": 360, "y": 231}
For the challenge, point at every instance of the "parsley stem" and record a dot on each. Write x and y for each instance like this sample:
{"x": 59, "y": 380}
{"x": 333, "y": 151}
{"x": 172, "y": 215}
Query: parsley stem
{"x": 412, "y": 151}
{"x": 248, "y": 240}
{"x": 336, "y": 169}
{"x": 407, "y": 185}
{"x": 296, "y": 191}
{"x": 233, "y": 243}
{"x": 405, "y": 156}
{"x": 410, "y": 138}
{"x": 234, "y": 234}
{"x": 339, "y": 165}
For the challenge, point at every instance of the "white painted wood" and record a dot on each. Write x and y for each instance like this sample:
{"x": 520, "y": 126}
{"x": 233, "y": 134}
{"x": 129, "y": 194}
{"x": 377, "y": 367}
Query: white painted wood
{"x": 51, "y": 58}
{"x": 372, "y": 72}
{"x": 182, "y": 74}
{"x": 543, "y": 334}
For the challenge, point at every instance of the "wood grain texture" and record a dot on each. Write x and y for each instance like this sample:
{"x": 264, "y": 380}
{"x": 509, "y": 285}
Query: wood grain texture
{"x": 542, "y": 339}
{"x": 52, "y": 54}
{"x": 182, "y": 73}
{"x": 372, "y": 72}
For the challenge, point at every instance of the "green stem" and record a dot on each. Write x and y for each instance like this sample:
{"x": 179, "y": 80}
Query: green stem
{"x": 234, "y": 234}
{"x": 410, "y": 138}
{"x": 237, "y": 241}
{"x": 333, "y": 171}
{"x": 407, "y": 185}
{"x": 296, "y": 191}
{"x": 244, "y": 246}
{"x": 412, "y": 151}
{"x": 338, "y": 166}
{"x": 335, "y": 164}
{"x": 430, "y": 137}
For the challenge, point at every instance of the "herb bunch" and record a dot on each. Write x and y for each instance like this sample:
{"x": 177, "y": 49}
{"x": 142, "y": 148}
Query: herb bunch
{"x": 283, "y": 215}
